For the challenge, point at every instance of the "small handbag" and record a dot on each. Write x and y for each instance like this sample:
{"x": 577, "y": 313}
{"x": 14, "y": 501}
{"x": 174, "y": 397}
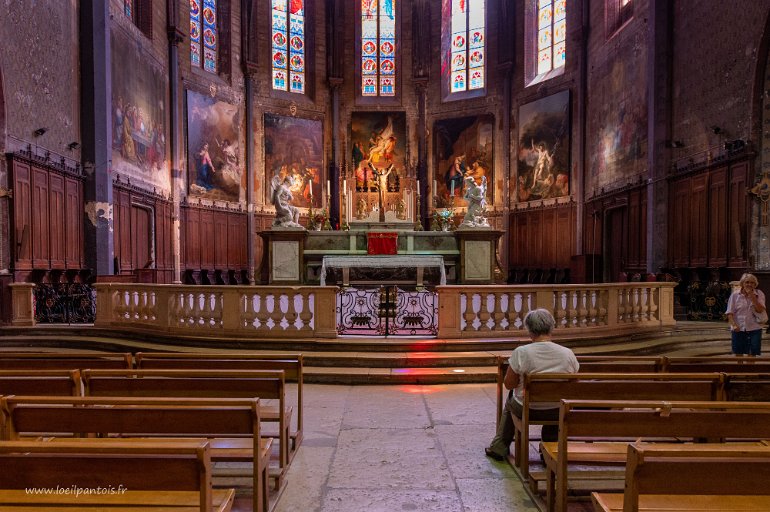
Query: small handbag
{"x": 761, "y": 318}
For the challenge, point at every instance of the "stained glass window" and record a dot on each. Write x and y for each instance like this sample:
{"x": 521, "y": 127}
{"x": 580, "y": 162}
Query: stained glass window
{"x": 467, "y": 45}
{"x": 203, "y": 34}
{"x": 128, "y": 8}
{"x": 618, "y": 13}
{"x": 378, "y": 47}
{"x": 551, "y": 35}
{"x": 289, "y": 45}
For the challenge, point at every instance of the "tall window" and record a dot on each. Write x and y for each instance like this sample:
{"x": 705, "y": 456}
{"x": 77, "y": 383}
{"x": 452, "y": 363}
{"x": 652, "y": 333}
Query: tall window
{"x": 551, "y": 35}
{"x": 378, "y": 47}
{"x": 467, "y": 45}
{"x": 618, "y": 13}
{"x": 204, "y": 38}
{"x": 140, "y": 12}
{"x": 289, "y": 45}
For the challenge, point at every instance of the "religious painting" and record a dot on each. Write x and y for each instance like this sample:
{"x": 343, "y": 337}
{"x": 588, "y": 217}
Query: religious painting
{"x": 378, "y": 149}
{"x": 138, "y": 116}
{"x": 294, "y": 147}
{"x": 618, "y": 120}
{"x": 544, "y": 140}
{"x": 463, "y": 148}
{"x": 213, "y": 149}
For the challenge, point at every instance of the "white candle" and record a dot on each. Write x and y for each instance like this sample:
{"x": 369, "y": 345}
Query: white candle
{"x": 435, "y": 189}
{"x": 328, "y": 187}
{"x": 418, "y": 187}
{"x": 452, "y": 190}
{"x": 344, "y": 186}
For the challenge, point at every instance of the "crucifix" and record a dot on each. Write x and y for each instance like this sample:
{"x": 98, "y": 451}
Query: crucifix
{"x": 382, "y": 186}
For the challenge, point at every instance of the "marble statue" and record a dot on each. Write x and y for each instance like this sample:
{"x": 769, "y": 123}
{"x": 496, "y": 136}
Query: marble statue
{"x": 361, "y": 209}
{"x": 475, "y": 194}
{"x": 286, "y": 215}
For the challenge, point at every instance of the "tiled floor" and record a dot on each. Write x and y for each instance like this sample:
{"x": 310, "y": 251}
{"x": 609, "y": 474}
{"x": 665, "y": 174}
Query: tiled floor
{"x": 393, "y": 448}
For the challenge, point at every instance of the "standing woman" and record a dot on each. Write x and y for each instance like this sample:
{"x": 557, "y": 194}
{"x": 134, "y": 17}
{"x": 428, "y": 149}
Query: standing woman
{"x": 745, "y": 313}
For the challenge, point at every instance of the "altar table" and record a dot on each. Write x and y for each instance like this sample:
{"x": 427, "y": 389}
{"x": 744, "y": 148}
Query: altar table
{"x": 420, "y": 261}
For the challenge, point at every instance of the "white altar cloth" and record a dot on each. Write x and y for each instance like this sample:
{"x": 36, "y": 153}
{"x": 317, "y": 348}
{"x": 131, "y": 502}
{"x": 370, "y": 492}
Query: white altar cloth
{"x": 419, "y": 261}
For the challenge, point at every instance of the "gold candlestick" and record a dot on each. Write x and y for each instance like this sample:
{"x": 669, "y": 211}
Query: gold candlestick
{"x": 418, "y": 219}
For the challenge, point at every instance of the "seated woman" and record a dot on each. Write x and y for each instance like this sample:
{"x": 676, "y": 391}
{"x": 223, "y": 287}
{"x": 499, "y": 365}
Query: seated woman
{"x": 540, "y": 356}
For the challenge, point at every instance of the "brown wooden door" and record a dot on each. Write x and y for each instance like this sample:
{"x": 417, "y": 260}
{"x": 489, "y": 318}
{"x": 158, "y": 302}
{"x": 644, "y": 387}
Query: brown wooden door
{"x": 614, "y": 243}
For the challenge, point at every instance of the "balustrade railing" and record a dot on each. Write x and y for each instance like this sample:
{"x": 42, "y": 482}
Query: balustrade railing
{"x": 499, "y": 311}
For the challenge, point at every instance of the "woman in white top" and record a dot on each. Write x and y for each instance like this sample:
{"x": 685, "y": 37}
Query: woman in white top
{"x": 741, "y": 309}
{"x": 540, "y": 356}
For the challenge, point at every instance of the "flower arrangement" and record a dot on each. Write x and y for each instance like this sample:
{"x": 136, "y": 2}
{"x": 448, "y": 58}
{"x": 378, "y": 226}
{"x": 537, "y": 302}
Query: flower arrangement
{"x": 443, "y": 219}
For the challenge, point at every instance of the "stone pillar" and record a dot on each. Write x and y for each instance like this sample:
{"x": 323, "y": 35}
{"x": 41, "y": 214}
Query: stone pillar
{"x": 337, "y": 157}
{"x": 175, "y": 37}
{"x": 96, "y": 130}
{"x": 250, "y": 170}
{"x": 658, "y": 107}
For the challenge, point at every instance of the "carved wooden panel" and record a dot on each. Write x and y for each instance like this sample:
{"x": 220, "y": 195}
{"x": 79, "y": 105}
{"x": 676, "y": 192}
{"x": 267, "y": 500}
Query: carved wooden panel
{"x": 207, "y": 239}
{"x": 634, "y": 259}
{"x": 565, "y": 236}
{"x": 141, "y": 239}
{"x": 123, "y": 254}
{"x": 73, "y": 225}
{"x": 548, "y": 236}
{"x": 57, "y": 220}
{"x": 22, "y": 210}
{"x": 679, "y": 223}
{"x": 717, "y": 218}
{"x": 41, "y": 248}
{"x": 192, "y": 252}
{"x": 699, "y": 221}
{"x": 220, "y": 239}
{"x": 616, "y": 247}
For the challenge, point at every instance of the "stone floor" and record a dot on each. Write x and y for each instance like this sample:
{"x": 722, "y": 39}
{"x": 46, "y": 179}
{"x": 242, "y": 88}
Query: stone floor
{"x": 390, "y": 448}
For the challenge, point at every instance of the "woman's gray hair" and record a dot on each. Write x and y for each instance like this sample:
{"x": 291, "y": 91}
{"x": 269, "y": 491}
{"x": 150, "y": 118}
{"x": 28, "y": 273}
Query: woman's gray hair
{"x": 748, "y": 277}
{"x": 539, "y": 322}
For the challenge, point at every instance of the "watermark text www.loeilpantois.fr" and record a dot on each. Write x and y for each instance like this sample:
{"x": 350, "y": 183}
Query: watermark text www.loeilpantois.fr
{"x": 76, "y": 491}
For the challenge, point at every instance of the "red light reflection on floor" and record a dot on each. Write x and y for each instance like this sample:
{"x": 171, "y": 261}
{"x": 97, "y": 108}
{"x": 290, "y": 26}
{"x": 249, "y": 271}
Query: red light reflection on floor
{"x": 410, "y": 388}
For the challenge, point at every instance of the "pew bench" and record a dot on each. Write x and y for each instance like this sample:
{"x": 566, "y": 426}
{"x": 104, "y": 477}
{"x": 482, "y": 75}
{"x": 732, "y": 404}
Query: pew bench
{"x": 263, "y": 384}
{"x": 725, "y": 364}
{"x": 149, "y": 476}
{"x": 41, "y": 382}
{"x": 553, "y": 387}
{"x": 65, "y": 361}
{"x": 747, "y": 387}
{"x": 597, "y": 433}
{"x": 666, "y": 478}
{"x": 291, "y": 364}
{"x": 232, "y": 426}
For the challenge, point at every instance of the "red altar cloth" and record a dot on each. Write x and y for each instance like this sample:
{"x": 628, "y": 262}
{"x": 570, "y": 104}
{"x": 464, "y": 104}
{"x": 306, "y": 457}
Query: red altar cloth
{"x": 382, "y": 243}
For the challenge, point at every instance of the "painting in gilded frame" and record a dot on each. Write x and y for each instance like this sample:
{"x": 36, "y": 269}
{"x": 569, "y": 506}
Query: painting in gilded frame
{"x": 378, "y": 139}
{"x": 213, "y": 149}
{"x": 544, "y": 146}
{"x": 294, "y": 146}
{"x": 464, "y": 147}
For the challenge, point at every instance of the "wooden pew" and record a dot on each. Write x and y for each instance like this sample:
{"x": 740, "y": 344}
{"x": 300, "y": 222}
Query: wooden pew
{"x": 233, "y": 425}
{"x": 725, "y": 364}
{"x": 553, "y": 387}
{"x": 41, "y": 382}
{"x": 153, "y": 476}
{"x": 291, "y": 364}
{"x": 691, "y": 478}
{"x": 747, "y": 387}
{"x": 595, "y": 433}
{"x": 65, "y": 361}
{"x": 588, "y": 364}
{"x": 263, "y": 384}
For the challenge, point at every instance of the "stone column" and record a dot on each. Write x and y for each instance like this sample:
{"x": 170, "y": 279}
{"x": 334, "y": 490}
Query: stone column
{"x": 96, "y": 129}
{"x": 175, "y": 37}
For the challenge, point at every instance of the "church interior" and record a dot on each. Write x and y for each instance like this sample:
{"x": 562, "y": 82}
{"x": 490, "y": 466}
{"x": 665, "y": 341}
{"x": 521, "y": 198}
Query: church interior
{"x": 274, "y": 255}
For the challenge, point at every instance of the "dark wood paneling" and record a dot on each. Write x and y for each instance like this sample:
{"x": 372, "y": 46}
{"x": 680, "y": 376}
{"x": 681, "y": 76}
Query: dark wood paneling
{"x": 192, "y": 238}
{"x": 616, "y": 247}
{"x": 679, "y": 223}
{"x": 699, "y": 221}
{"x": 717, "y": 218}
{"x": 123, "y": 231}
{"x": 207, "y": 237}
{"x": 57, "y": 221}
{"x": 565, "y": 236}
{"x": 221, "y": 249}
{"x": 548, "y": 235}
{"x": 73, "y": 206}
{"x": 22, "y": 210}
{"x": 635, "y": 235}
{"x": 233, "y": 241}
{"x": 141, "y": 239}
{"x": 41, "y": 251}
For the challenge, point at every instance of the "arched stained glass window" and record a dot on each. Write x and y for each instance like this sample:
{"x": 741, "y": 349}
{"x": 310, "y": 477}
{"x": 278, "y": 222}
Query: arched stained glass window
{"x": 378, "y": 47}
{"x": 551, "y": 35}
{"x": 204, "y": 38}
{"x": 467, "y": 45}
{"x": 289, "y": 60}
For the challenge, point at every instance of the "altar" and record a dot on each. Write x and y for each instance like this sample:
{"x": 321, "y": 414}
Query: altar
{"x": 379, "y": 262}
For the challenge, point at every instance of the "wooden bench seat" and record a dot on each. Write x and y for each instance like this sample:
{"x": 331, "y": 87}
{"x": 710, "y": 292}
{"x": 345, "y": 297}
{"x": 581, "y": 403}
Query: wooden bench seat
{"x": 157, "y": 476}
{"x": 692, "y": 478}
{"x": 552, "y": 387}
{"x": 747, "y": 387}
{"x": 264, "y": 384}
{"x": 596, "y": 433}
{"x": 724, "y": 364}
{"x": 41, "y": 382}
{"x": 141, "y": 418}
{"x": 65, "y": 360}
{"x": 291, "y": 364}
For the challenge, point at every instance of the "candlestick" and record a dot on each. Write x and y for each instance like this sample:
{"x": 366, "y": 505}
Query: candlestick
{"x": 328, "y": 187}
{"x": 417, "y": 222}
{"x": 435, "y": 189}
{"x": 452, "y": 190}
{"x": 344, "y": 185}
{"x": 418, "y": 187}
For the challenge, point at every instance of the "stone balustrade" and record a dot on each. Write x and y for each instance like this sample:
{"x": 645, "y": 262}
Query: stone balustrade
{"x": 499, "y": 311}
{"x": 306, "y": 312}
